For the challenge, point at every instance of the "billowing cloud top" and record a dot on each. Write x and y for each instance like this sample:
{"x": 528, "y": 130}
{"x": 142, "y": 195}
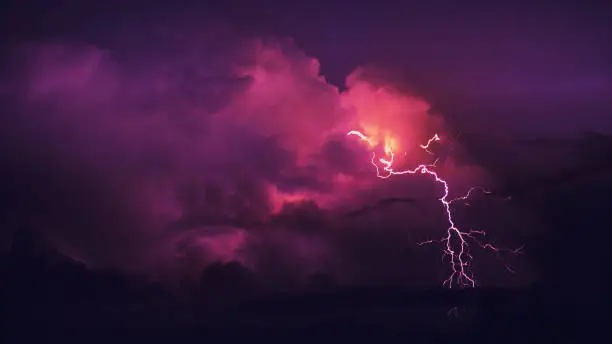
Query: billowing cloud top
{"x": 162, "y": 160}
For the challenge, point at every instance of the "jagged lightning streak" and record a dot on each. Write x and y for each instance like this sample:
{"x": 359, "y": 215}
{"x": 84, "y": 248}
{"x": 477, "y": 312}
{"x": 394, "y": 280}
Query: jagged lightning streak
{"x": 459, "y": 257}
{"x": 432, "y": 139}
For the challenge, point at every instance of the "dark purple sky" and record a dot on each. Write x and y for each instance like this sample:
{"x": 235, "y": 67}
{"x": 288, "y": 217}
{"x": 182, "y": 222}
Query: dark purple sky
{"x": 163, "y": 137}
{"x": 489, "y": 64}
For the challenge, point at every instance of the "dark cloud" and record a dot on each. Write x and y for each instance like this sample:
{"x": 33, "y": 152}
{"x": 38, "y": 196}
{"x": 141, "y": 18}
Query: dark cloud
{"x": 214, "y": 148}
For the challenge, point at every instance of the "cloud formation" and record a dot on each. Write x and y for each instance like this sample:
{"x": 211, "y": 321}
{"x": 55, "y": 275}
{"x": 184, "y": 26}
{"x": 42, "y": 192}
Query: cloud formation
{"x": 216, "y": 151}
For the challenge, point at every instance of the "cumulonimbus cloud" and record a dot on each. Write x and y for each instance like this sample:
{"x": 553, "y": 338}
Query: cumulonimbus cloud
{"x": 198, "y": 155}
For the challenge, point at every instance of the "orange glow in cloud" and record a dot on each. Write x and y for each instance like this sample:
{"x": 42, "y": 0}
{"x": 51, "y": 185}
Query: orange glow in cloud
{"x": 455, "y": 242}
{"x": 386, "y": 114}
{"x": 289, "y": 99}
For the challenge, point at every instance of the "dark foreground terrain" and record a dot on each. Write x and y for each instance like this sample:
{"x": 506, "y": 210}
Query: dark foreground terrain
{"x": 51, "y": 297}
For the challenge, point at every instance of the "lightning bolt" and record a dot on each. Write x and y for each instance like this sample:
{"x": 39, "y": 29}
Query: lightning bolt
{"x": 456, "y": 242}
{"x": 429, "y": 142}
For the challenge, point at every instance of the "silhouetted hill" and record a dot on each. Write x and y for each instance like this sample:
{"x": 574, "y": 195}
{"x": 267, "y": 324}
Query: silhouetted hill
{"x": 69, "y": 296}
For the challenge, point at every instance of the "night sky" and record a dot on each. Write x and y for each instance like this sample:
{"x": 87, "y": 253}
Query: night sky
{"x": 158, "y": 139}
